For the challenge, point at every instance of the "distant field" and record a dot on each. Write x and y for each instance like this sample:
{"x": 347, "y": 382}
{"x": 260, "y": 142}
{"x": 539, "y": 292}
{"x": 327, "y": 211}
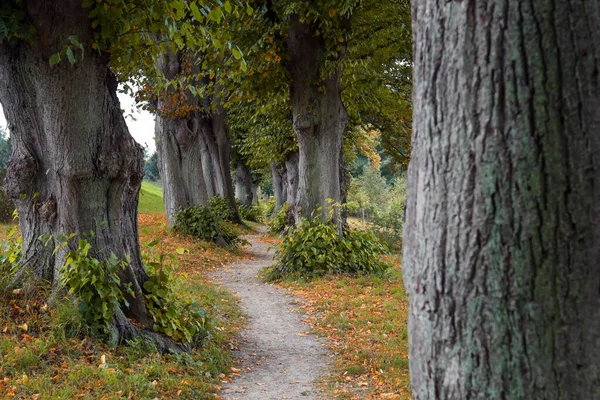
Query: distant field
{"x": 151, "y": 199}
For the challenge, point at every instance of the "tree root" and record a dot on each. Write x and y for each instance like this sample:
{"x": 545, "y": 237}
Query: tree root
{"x": 124, "y": 330}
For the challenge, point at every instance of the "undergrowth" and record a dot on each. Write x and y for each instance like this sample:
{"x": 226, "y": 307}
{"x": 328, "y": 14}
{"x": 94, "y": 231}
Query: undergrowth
{"x": 48, "y": 351}
{"x": 205, "y": 223}
{"x": 314, "y": 248}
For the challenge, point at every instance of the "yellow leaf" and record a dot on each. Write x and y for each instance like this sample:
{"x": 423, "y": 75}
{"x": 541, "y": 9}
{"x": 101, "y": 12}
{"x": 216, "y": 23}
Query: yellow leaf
{"x": 332, "y": 12}
{"x": 23, "y": 327}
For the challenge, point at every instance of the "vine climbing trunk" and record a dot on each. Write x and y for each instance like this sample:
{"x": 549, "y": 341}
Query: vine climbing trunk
{"x": 320, "y": 120}
{"x": 180, "y": 144}
{"x": 502, "y": 232}
{"x": 74, "y": 168}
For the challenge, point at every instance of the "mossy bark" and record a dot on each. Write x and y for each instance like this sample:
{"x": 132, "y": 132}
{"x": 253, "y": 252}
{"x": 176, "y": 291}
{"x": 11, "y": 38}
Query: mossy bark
{"x": 502, "y": 233}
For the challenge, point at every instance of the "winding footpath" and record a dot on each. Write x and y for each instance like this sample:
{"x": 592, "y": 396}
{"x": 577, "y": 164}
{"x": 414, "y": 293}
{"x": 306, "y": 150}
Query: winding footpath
{"x": 278, "y": 358}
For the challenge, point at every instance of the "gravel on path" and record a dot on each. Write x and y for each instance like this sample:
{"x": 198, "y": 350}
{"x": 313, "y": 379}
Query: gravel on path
{"x": 279, "y": 359}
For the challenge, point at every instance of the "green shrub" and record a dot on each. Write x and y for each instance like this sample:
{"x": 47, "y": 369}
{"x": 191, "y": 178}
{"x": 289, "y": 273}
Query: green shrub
{"x": 269, "y": 207}
{"x": 96, "y": 284}
{"x": 253, "y": 213}
{"x": 182, "y": 321}
{"x": 314, "y": 248}
{"x": 11, "y": 253}
{"x": 221, "y": 207}
{"x": 202, "y": 223}
{"x": 280, "y": 222}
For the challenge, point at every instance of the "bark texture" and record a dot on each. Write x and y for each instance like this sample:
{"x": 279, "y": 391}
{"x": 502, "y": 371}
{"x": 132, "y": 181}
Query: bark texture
{"x": 320, "y": 120}
{"x": 502, "y": 233}
{"x": 74, "y": 167}
{"x": 279, "y": 189}
{"x": 180, "y": 147}
{"x": 243, "y": 184}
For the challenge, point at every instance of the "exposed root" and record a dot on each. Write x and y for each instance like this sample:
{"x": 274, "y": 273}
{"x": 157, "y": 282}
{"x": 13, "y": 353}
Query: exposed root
{"x": 124, "y": 330}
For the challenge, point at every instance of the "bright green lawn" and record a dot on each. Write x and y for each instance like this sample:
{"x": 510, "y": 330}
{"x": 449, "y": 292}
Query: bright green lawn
{"x": 151, "y": 199}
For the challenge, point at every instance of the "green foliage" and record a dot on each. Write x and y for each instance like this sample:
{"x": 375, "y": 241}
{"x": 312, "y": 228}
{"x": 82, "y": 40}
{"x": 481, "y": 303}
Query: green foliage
{"x": 314, "y": 248}
{"x": 381, "y": 205}
{"x": 11, "y": 253}
{"x": 252, "y": 213}
{"x": 221, "y": 207}
{"x": 96, "y": 284}
{"x": 202, "y": 223}
{"x": 151, "y": 171}
{"x": 280, "y": 220}
{"x": 182, "y": 321}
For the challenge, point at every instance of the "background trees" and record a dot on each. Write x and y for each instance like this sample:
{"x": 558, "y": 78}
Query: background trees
{"x": 501, "y": 238}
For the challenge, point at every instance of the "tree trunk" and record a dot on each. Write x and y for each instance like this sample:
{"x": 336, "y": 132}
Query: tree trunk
{"x": 279, "y": 188}
{"x": 210, "y": 141}
{"x": 292, "y": 176}
{"x": 74, "y": 168}
{"x": 219, "y": 118}
{"x": 320, "y": 121}
{"x": 179, "y": 146}
{"x": 243, "y": 184}
{"x": 502, "y": 233}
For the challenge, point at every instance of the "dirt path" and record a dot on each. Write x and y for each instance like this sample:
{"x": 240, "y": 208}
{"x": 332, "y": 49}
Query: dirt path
{"x": 279, "y": 360}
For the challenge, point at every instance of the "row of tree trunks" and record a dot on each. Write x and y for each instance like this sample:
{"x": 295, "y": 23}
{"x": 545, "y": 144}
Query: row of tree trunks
{"x": 502, "y": 233}
{"x": 74, "y": 167}
{"x": 285, "y": 180}
{"x": 193, "y": 150}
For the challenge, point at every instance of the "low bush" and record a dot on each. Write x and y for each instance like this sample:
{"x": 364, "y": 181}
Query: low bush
{"x": 314, "y": 248}
{"x": 253, "y": 213}
{"x": 95, "y": 283}
{"x": 182, "y": 321}
{"x": 269, "y": 207}
{"x": 279, "y": 221}
{"x": 203, "y": 223}
{"x": 221, "y": 207}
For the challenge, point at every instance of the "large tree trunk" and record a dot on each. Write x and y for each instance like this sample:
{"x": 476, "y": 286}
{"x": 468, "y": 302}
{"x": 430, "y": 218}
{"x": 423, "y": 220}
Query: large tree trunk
{"x": 502, "y": 233}
{"x": 74, "y": 168}
{"x": 279, "y": 188}
{"x": 179, "y": 146}
{"x": 320, "y": 121}
{"x": 243, "y": 183}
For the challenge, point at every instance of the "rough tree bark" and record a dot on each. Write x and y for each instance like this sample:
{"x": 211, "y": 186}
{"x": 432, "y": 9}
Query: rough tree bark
{"x": 320, "y": 120}
{"x": 180, "y": 146}
{"x": 219, "y": 120}
{"x": 74, "y": 168}
{"x": 291, "y": 176}
{"x": 279, "y": 188}
{"x": 243, "y": 183}
{"x": 502, "y": 233}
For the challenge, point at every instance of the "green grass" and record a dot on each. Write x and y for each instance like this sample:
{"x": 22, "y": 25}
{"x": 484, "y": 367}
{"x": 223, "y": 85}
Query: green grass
{"x": 151, "y": 199}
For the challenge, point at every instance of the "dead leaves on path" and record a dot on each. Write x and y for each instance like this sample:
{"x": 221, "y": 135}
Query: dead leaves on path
{"x": 364, "y": 320}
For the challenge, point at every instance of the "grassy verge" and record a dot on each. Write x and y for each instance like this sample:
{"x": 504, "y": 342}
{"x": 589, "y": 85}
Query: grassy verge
{"x": 45, "y": 352}
{"x": 365, "y": 321}
{"x": 151, "y": 199}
